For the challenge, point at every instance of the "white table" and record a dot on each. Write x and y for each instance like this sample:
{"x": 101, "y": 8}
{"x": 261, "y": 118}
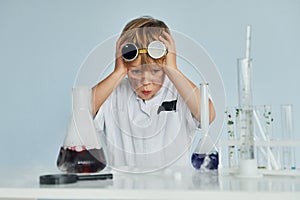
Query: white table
{"x": 23, "y": 183}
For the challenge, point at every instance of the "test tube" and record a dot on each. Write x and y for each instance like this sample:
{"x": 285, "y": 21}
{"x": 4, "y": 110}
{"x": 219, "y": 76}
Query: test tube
{"x": 266, "y": 155}
{"x": 230, "y": 113}
{"x": 288, "y": 153}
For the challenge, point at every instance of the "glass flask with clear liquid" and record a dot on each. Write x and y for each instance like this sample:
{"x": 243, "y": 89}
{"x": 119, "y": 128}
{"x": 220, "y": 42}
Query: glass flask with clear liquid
{"x": 82, "y": 151}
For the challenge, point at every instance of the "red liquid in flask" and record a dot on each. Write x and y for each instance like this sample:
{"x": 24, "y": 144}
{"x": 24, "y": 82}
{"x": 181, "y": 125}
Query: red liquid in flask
{"x": 83, "y": 161}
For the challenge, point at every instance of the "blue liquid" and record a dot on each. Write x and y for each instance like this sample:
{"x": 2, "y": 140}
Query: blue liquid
{"x": 211, "y": 162}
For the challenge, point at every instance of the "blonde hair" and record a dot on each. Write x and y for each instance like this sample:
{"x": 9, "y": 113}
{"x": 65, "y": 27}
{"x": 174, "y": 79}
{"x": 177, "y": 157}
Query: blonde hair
{"x": 141, "y": 31}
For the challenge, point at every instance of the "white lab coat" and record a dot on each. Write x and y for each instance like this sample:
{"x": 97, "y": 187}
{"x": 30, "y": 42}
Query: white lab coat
{"x": 137, "y": 135}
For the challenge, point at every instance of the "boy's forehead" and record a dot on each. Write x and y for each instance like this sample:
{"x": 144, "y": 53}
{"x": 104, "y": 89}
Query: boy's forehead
{"x": 137, "y": 63}
{"x": 144, "y": 66}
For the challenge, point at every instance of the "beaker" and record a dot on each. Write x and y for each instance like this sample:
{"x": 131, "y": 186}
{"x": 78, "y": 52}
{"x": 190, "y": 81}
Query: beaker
{"x": 82, "y": 151}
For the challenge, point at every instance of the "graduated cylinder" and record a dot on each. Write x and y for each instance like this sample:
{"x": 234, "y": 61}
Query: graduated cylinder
{"x": 245, "y": 109}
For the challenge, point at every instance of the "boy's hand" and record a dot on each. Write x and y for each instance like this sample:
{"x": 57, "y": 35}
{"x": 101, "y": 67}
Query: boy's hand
{"x": 120, "y": 66}
{"x": 168, "y": 40}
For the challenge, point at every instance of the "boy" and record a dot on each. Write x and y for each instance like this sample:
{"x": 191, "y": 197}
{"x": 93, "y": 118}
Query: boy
{"x": 146, "y": 107}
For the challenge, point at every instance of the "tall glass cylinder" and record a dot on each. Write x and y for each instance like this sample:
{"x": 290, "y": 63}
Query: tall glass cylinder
{"x": 266, "y": 155}
{"x": 245, "y": 110}
{"x": 288, "y": 153}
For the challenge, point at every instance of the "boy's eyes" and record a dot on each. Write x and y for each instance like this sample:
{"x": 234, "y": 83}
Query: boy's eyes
{"x": 136, "y": 71}
{"x": 155, "y": 71}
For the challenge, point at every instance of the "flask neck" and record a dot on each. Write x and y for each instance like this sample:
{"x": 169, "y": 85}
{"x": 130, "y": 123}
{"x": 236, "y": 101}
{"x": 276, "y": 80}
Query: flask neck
{"x": 81, "y": 97}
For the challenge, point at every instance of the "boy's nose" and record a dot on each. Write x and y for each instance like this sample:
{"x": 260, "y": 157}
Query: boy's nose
{"x": 146, "y": 78}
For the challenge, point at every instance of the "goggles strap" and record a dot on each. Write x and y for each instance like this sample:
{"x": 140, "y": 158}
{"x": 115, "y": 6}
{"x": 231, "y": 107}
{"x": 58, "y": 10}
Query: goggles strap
{"x": 143, "y": 51}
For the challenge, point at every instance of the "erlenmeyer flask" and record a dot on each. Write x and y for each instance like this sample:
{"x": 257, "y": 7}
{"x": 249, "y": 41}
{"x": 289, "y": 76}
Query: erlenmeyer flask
{"x": 203, "y": 157}
{"x": 81, "y": 151}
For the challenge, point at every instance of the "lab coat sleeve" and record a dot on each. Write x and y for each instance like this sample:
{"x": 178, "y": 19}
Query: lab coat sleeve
{"x": 190, "y": 122}
{"x": 99, "y": 120}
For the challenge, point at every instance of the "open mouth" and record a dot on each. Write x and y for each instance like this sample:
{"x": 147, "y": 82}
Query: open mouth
{"x": 146, "y": 92}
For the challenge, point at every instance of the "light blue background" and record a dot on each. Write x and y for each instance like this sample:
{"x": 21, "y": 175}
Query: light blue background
{"x": 43, "y": 43}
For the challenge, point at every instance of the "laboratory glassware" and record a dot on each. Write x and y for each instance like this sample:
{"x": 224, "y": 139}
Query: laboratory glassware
{"x": 199, "y": 158}
{"x": 245, "y": 109}
{"x": 245, "y": 122}
{"x": 288, "y": 153}
{"x": 82, "y": 151}
{"x": 230, "y": 124}
{"x": 266, "y": 155}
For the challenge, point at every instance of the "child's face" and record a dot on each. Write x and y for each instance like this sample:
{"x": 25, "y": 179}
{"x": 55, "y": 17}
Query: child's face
{"x": 146, "y": 79}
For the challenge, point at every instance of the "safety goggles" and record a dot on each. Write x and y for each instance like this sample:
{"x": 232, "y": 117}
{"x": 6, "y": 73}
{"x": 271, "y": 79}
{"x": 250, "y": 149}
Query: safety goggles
{"x": 155, "y": 50}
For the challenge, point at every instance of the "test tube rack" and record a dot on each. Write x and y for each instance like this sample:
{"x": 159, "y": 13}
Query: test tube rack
{"x": 270, "y": 148}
